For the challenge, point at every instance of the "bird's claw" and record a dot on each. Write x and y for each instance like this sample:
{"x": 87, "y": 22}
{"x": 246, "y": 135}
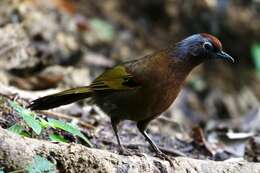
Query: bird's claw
{"x": 163, "y": 156}
{"x": 125, "y": 152}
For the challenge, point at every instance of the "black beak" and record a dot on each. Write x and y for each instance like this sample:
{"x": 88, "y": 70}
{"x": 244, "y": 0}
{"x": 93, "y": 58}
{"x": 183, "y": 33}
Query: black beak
{"x": 223, "y": 55}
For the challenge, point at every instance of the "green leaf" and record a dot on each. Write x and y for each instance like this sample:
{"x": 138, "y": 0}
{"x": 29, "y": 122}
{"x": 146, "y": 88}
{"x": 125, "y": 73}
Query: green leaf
{"x": 198, "y": 84}
{"x": 2, "y": 101}
{"x": 33, "y": 123}
{"x": 68, "y": 128}
{"x": 43, "y": 122}
{"x": 28, "y": 117}
{"x": 25, "y": 134}
{"x": 41, "y": 165}
{"x": 255, "y": 51}
{"x": 102, "y": 29}
{"x": 16, "y": 128}
{"x": 17, "y": 171}
{"x": 58, "y": 138}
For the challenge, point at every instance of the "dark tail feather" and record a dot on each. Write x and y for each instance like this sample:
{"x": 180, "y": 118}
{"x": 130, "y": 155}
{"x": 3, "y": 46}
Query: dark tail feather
{"x": 61, "y": 98}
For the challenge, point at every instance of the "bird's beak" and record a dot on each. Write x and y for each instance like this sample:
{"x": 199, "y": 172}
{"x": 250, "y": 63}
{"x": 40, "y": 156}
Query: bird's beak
{"x": 223, "y": 55}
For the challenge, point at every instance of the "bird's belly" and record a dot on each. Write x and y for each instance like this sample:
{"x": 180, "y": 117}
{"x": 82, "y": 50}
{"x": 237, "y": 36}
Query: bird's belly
{"x": 136, "y": 105}
{"x": 124, "y": 105}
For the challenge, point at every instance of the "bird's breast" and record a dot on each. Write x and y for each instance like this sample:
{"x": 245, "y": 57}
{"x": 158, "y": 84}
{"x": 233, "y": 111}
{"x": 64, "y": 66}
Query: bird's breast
{"x": 163, "y": 96}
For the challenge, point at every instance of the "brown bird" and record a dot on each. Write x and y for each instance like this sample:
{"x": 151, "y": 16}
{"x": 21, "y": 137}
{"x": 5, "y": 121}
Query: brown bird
{"x": 140, "y": 90}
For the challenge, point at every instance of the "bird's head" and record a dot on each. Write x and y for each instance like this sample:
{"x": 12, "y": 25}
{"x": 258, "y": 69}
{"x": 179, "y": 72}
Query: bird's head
{"x": 200, "y": 47}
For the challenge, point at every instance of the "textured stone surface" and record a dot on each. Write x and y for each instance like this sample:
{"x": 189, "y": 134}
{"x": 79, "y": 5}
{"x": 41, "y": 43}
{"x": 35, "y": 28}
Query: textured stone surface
{"x": 17, "y": 152}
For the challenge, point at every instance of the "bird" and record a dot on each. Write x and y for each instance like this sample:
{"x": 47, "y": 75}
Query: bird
{"x": 142, "y": 89}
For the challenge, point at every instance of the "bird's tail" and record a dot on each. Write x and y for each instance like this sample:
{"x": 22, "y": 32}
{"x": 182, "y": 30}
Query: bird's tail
{"x": 61, "y": 98}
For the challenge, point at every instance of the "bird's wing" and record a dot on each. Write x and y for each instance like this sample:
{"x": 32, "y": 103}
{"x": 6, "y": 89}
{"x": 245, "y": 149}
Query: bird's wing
{"x": 117, "y": 78}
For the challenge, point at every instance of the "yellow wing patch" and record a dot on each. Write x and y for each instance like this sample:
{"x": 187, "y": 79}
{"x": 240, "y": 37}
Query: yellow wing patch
{"x": 114, "y": 79}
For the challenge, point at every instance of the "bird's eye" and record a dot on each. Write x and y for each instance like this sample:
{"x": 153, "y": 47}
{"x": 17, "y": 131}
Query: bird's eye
{"x": 207, "y": 45}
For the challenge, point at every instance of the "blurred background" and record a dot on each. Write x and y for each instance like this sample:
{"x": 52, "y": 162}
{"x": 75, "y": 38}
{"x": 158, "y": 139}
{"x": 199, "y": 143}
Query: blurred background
{"x": 49, "y": 44}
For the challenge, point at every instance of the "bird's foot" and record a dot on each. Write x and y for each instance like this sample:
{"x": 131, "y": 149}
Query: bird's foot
{"x": 127, "y": 152}
{"x": 163, "y": 156}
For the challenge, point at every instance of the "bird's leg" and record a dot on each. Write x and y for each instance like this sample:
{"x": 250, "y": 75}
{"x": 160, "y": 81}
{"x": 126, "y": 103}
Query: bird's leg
{"x": 122, "y": 150}
{"x": 142, "y": 125}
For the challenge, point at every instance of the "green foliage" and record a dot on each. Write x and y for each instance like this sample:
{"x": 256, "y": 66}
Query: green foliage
{"x": 198, "y": 84}
{"x": 43, "y": 122}
{"x": 25, "y": 133}
{"x": 17, "y": 171}
{"x": 102, "y": 29}
{"x": 33, "y": 123}
{"x": 41, "y": 165}
{"x": 58, "y": 138}
{"x": 1, "y": 103}
{"x": 27, "y": 116}
{"x": 255, "y": 50}
{"x": 68, "y": 128}
{"x": 16, "y": 128}
{"x": 38, "y": 123}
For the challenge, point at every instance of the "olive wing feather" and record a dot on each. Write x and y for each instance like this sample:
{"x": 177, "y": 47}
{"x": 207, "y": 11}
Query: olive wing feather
{"x": 117, "y": 78}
